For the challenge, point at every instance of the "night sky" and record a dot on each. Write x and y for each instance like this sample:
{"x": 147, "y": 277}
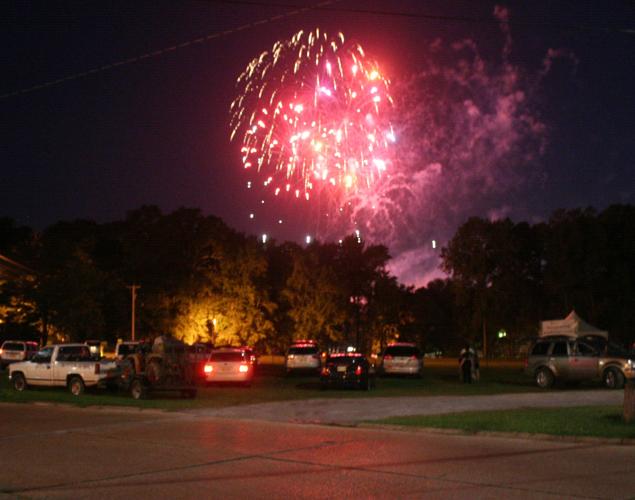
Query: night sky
{"x": 545, "y": 120}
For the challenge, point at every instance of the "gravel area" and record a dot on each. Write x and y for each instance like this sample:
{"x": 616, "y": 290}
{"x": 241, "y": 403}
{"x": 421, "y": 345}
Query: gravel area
{"x": 349, "y": 411}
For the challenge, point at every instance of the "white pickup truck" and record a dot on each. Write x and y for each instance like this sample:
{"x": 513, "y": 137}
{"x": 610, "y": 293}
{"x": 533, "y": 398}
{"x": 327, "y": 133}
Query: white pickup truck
{"x": 63, "y": 365}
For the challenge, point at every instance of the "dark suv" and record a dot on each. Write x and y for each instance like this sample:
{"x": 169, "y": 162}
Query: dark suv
{"x": 567, "y": 359}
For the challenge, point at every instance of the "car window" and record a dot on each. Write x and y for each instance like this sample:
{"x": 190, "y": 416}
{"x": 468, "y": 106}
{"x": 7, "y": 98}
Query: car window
{"x": 73, "y": 353}
{"x": 540, "y": 349}
{"x": 585, "y": 350}
{"x": 227, "y": 356}
{"x": 13, "y": 346}
{"x": 303, "y": 350}
{"x": 44, "y": 356}
{"x": 616, "y": 350}
{"x": 559, "y": 349}
{"x": 401, "y": 350}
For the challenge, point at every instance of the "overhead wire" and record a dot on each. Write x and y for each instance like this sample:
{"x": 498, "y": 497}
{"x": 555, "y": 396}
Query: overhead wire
{"x": 326, "y": 6}
{"x": 165, "y": 50}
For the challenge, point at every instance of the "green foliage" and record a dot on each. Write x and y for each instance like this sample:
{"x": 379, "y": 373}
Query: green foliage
{"x": 202, "y": 281}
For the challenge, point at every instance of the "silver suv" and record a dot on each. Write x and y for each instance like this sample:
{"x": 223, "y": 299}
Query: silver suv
{"x": 566, "y": 359}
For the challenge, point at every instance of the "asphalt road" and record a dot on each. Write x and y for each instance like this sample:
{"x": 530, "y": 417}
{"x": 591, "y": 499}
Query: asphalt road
{"x": 63, "y": 452}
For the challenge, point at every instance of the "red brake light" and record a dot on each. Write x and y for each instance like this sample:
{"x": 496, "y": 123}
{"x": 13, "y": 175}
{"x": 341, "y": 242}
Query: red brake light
{"x": 243, "y": 368}
{"x": 414, "y": 356}
{"x": 358, "y": 370}
{"x": 97, "y": 368}
{"x": 388, "y": 357}
{"x": 208, "y": 369}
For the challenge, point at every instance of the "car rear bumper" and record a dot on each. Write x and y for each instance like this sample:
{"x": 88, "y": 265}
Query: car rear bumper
{"x": 228, "y": 377}
{"x": 402, "y": 369}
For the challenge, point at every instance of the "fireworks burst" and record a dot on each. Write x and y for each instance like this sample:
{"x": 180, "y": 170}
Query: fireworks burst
{"x": 312, "y": 116}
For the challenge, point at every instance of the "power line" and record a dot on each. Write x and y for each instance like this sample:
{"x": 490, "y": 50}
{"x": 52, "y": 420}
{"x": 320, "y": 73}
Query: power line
{"x": 437, "y": 17}
{"x": 325, "y": 6}
{"x": 160, "y": 52}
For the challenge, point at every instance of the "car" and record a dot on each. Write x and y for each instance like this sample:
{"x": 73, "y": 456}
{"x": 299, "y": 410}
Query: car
{"x": 303, "y": 355}
{"x": 229, "y": 364}
{"x": 558, "y": 358}
{"x": 402, "y": 358}
{"x": 13, "y": 351}
{"x": 347, "y": 370}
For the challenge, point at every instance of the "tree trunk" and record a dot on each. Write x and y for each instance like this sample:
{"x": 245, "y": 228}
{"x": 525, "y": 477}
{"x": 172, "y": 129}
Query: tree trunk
{"x": 629, "y": 402}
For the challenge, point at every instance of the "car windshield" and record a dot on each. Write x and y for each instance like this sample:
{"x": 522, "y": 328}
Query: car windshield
{"x": 13, "y": 346}
{"x": 236, "y": 356}
{"x": 303, "y": 350}
{"x": 344, "y": 360}
{"x": 401, "y": 350}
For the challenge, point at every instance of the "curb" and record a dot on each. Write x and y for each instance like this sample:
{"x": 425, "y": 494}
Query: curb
{"x": 506, "y": 435}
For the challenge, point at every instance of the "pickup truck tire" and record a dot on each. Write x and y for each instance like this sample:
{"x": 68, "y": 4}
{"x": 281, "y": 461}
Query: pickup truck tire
{"x": 613, "y": 378}
{"x": 19, "y": 382}
{"x": 138, "y": 389}
{"x": 544, "y": 378}
{"x": 76, "y": 386}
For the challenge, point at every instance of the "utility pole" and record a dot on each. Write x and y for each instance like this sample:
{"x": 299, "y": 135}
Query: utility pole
{"x": 133, "y": 296}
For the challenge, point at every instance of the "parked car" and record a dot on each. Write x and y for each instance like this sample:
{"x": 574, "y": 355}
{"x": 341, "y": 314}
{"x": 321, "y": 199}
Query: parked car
{"x": 568, "y": 359}
{"x": 229, "y": 364}
{"x": 303, "y": 356}
{"x": 13, "y": 351}
{"x": 402, "y": 358}
{"x": 64, "y": 365}
{"x": 347, "y": 370}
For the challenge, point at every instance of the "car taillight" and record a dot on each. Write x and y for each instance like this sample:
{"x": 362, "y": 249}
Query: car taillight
{"x": 243, "y": 368}
{"x": 414, "y": 356}
{"x": 388, "y": 357}
{"x": 325, "y": 371}
{"x": 208, "y": 368}
{"x": 358, "y": 370}
{"x": 97, "y": 368}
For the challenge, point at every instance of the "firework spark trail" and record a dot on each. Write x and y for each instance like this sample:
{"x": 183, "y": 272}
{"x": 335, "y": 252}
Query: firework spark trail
{"x": 311, "y": 117}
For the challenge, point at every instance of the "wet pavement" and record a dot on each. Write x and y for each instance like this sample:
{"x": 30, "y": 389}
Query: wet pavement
{"x": 50, "y": 451}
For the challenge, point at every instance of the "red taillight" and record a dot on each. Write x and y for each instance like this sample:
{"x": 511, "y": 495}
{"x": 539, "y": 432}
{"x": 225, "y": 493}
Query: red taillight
{"x": 243, "y": 368}
{"x": 414, "y": 356}
{"x": 388, "y": 357}
{"x": 325, "y": 371}
{"x": 358, "y": 370}
{"x": 97, "y": 368}
{"x": 208, "y": 368}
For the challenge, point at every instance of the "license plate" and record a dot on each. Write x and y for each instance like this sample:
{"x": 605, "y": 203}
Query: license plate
{"x": 341, "y": 369}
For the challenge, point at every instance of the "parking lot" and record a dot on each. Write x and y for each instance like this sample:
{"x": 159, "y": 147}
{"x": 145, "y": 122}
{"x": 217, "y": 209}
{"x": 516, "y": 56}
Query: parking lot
{"x": 65, "y": 452}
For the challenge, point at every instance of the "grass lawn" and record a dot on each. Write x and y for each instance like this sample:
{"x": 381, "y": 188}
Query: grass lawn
{"x": 598, "y": 421}
{"x": 270, "y": 384}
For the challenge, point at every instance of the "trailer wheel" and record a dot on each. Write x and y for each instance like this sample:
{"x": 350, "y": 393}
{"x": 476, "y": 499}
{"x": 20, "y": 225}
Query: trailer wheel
{"x": 188, "y": 393}
{"x": 138, "y": 389}
{"x": 154, "y": 372}
{"x": 19, "y": 382}
{"x": 76, "y": 386}
{"x": 544, "y": 378}
{"x": 613, "y": 379}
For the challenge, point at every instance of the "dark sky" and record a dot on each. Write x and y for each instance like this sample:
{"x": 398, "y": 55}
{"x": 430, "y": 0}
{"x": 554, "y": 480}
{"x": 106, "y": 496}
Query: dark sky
{"x": 156, "y": 131}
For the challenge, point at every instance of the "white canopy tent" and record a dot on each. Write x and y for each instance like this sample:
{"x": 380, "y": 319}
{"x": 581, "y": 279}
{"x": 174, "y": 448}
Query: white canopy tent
{"x": 571, "y": 326}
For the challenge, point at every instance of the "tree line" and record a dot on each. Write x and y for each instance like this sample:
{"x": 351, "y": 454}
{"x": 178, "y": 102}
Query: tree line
{"x": 202, "y": 281}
